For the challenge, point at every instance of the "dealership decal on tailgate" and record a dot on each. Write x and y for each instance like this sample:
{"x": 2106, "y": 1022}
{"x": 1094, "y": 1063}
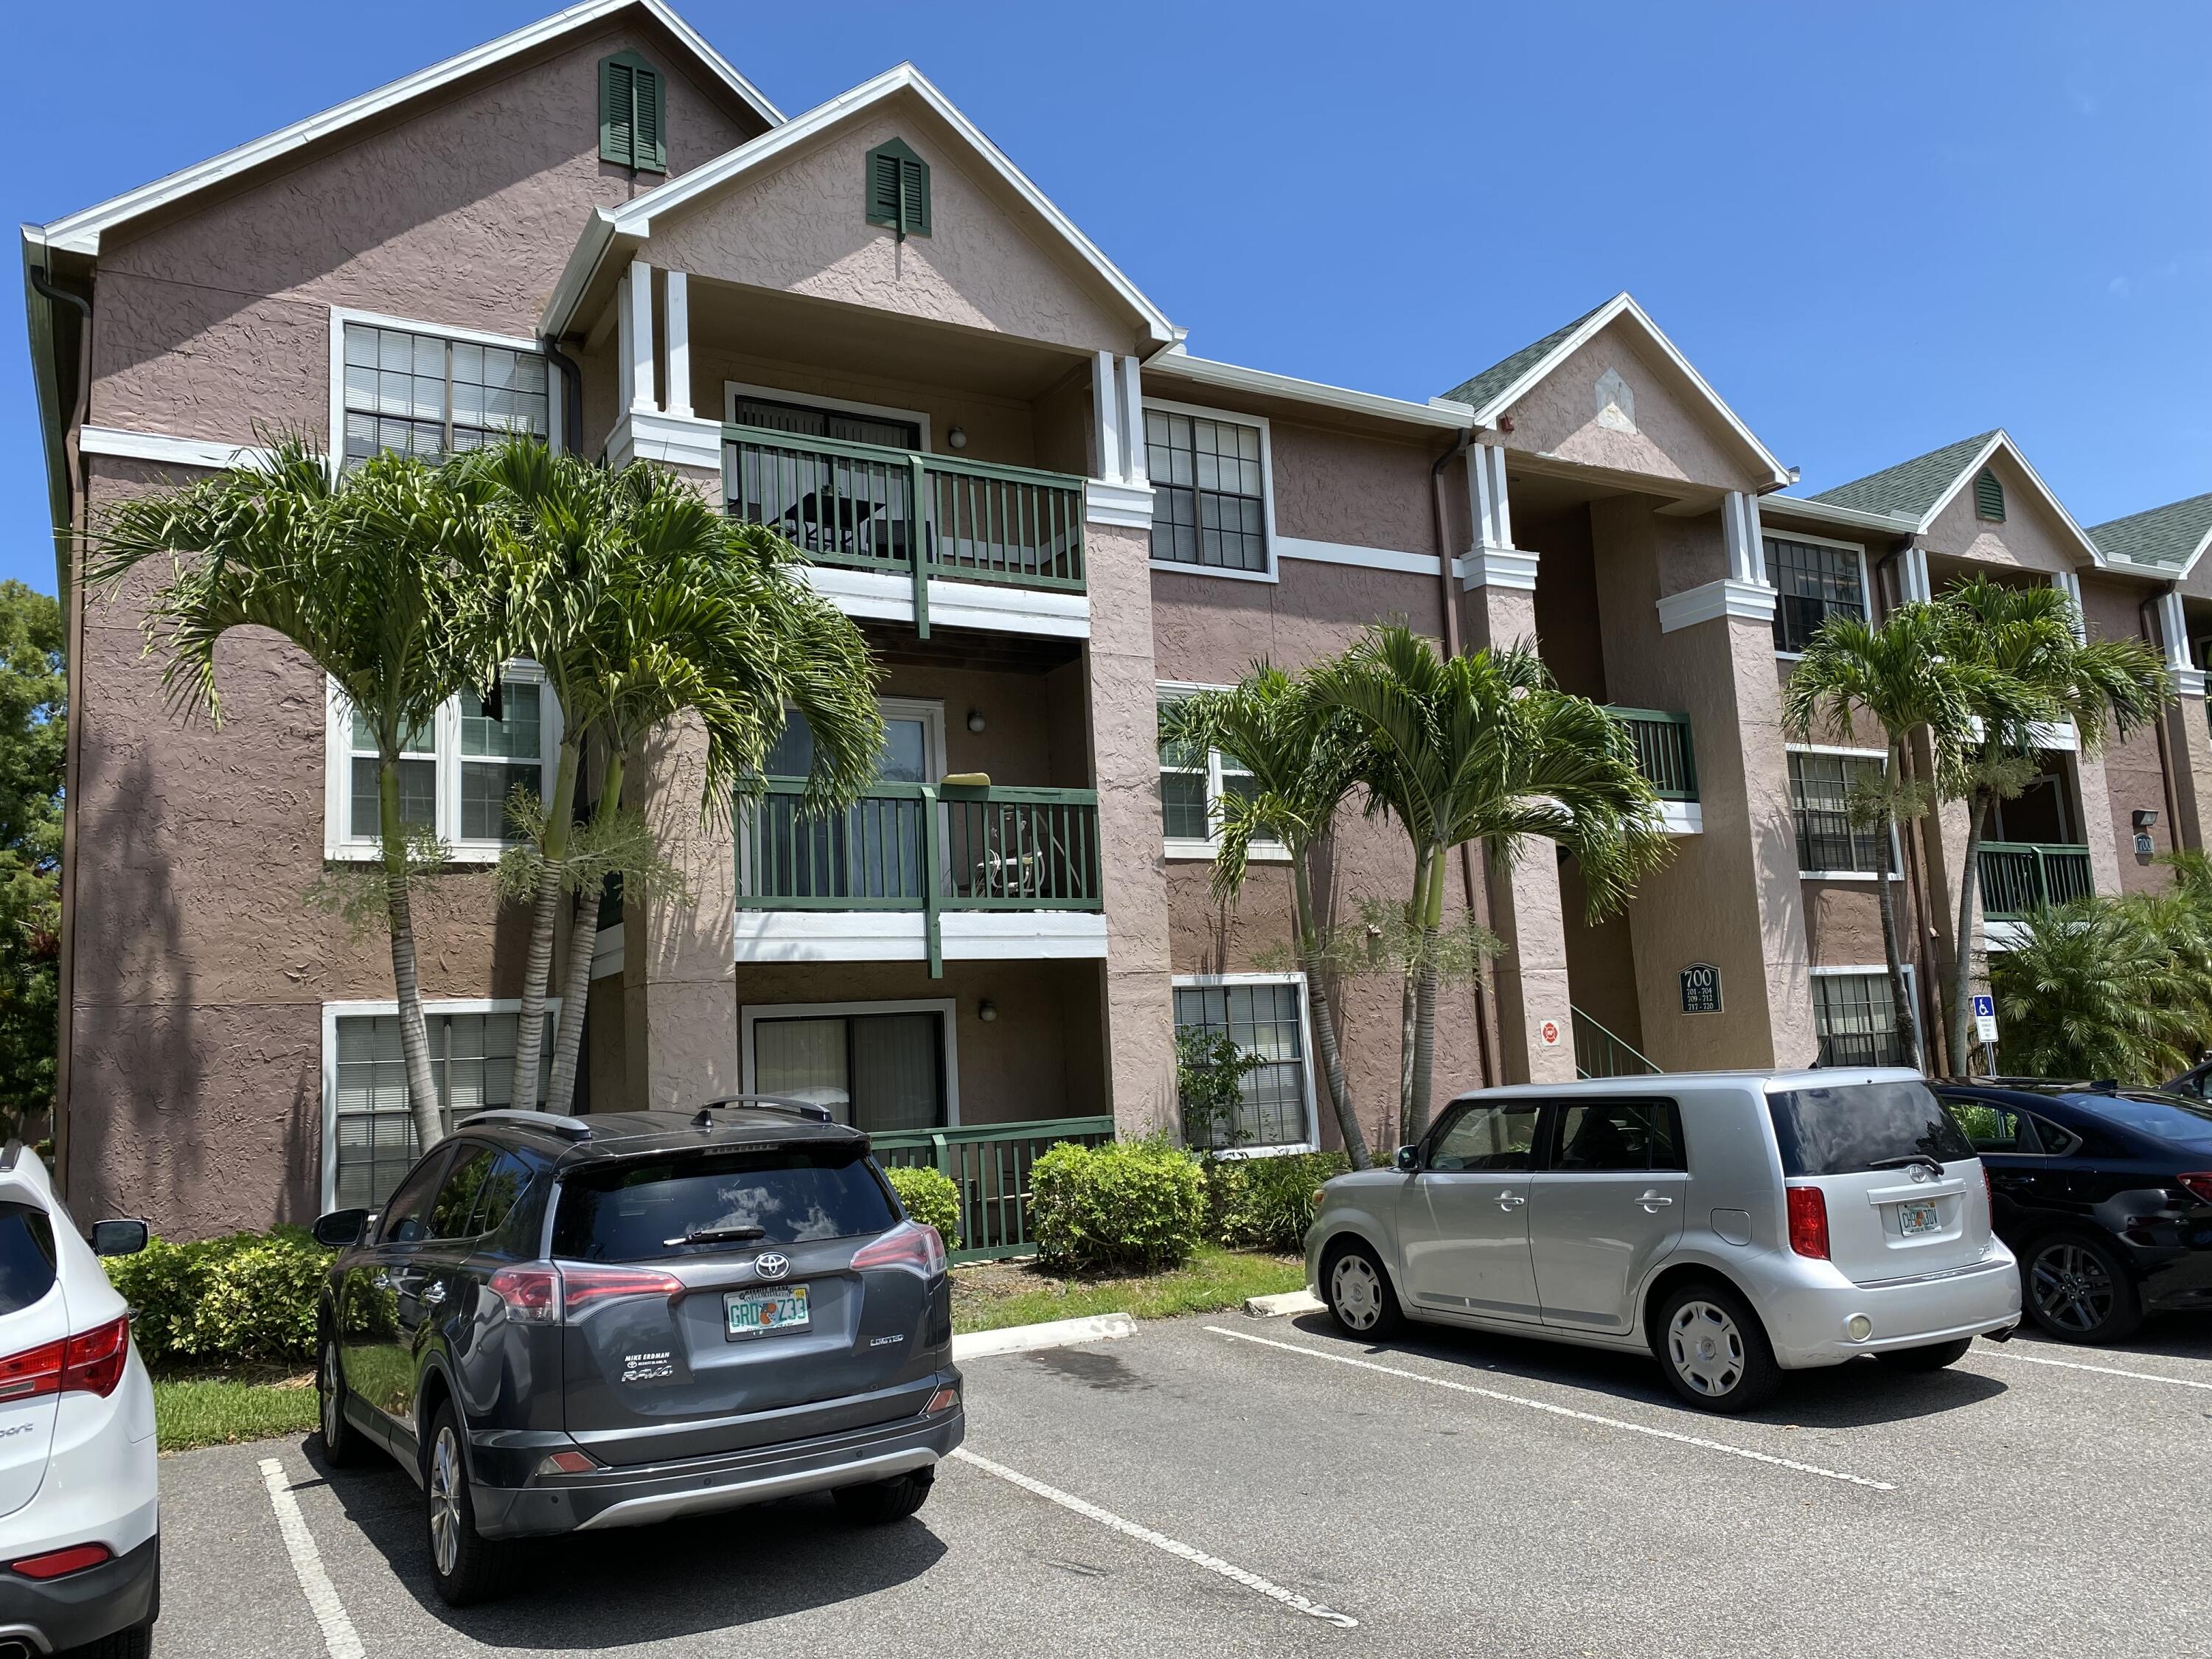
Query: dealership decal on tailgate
{"x": 758, "y": 1313}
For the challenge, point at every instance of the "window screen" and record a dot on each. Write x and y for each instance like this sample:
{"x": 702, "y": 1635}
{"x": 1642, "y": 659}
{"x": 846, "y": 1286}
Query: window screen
{"x": 1812, "y": 582}
{"x": 1209, "y": 495}
{"x": 1262, "y": 1019}
{"x": 472, "y": 1057}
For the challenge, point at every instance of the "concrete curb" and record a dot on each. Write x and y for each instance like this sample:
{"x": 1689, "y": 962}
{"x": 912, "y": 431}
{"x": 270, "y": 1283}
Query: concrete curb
{"x": 1052, "y": 1334}
{"x": 1279, "y": 1307}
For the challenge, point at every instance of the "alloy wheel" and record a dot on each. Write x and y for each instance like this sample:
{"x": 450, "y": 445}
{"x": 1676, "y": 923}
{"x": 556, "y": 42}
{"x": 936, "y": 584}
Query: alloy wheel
{"x": 446, "y": 1502}
{"x": 1355, "y": 1293}
{"x": 1706, "y": 1348}
{"x": 2071, "y": 1287}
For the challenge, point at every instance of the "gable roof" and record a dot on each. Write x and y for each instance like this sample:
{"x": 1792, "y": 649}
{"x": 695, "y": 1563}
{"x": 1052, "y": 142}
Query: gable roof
{"x": 1504, "y": 383}
{"x": 80, "y": 232}
{"x": 632, "y": 222}
{"x": 2171, "y": 537}
{"x": 1920, "y": 489}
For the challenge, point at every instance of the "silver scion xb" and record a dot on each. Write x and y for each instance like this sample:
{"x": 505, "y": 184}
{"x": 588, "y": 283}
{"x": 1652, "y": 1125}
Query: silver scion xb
{"x": 1736, "y": 1225}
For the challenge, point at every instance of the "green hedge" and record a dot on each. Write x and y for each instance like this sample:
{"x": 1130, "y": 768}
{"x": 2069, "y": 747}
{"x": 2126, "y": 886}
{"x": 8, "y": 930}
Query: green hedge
{"x": 1127, "y": 1204}
{"x": 246, "y": 1296}
{"x": 1267, "y": 1203}
{"x": 930, "y": 1198}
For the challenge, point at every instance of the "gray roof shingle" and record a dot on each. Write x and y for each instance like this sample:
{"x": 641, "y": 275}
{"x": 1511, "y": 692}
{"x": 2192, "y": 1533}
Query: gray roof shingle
{"x": 1501, "y": 374}
{"x": 1911, "y": 487}
{"x": 2164, "y": 535}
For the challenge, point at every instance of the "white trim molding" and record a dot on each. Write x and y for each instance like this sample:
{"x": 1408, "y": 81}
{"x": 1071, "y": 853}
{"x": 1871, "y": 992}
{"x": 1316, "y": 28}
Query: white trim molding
{"x": 882, "y": 597}
{"x": 1192, "y": 849}
{"x": 899, "y": 936}
{"x": 1752, "y": 601}
{"x": 215, "y": 454}
{"x": 1439, "y": 412}
{"x": 341, "y": 315}
{"x": 1368, "y": 558}
{"x": 1209, "y": 982}
{"x": 1124, "y": 505}
{"x": 750, "y": 1014}
{"x": 671, "y": 439}
{"x": 1508, "y": 567}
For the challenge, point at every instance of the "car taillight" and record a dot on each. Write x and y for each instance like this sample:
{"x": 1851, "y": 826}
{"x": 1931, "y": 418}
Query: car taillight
{"x": 943, "y": 1401}
{"x": 532, "y": 1295}
{"x": 2199, "y": 1184}
{"x": 911, "y": 1245}
{"x": 35, "y": 1372}
{"x": 582, "y": 1286}
{"x": 95, "y": 1361}
{"x": 1808, "y": 1222}
{"x": 57, "y": 1563}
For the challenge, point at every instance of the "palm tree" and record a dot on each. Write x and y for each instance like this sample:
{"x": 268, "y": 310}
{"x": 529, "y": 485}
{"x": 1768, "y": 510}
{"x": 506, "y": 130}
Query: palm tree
{"x": 380, "y": 575}
{"x": 1483, "y": 747}
{"x": 1304, "y": 762}
{"x": 2103, "y": 988}
{"x": 2038, "y": 669}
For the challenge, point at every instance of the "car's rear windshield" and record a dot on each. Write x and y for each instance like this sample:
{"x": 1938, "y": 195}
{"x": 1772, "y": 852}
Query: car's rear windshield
{"x": 2151, "y": 1112}
{"x": 1862, "y": 1126}
{"x": 26, "y": 1255}
{"x": 673, "y": 1206}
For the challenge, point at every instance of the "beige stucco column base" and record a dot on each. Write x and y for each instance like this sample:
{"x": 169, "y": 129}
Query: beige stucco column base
{"x": 2189, "y": 741}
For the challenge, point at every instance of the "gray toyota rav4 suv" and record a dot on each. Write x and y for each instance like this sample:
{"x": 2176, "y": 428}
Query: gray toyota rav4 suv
{"x": 562, "y": 1324}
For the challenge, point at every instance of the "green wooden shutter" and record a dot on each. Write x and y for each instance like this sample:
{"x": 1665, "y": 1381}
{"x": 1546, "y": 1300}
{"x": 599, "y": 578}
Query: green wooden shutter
{"x": 632, "y": 127}
{"x": 1989, "y": 497}
{"x": 898, "y": 189}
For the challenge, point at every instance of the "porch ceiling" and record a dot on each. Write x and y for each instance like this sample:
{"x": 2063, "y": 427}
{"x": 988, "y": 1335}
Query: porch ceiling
{"x": 968, "y": 648}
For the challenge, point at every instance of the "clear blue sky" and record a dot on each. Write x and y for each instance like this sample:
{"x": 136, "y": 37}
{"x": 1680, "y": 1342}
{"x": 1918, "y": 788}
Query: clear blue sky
{"x": 1875, "y": 228}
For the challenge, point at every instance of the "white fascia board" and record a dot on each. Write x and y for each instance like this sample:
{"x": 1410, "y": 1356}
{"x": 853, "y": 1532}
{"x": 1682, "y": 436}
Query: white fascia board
{"x": 1623, "y": 305}
{"x": 636, "y": 217}
{"x": 584, "y": 259}
{"x": 1207, "y": 371}
{"x": 883, "y": 597}
{"x": 899, "y": 936}
{"x": 80, "y": 232}
{"x": 215, "y": 454}
{"x": 2003, "y": 440}
{"x": 1853, "y": 518}
{"x": 1752, "y": 601}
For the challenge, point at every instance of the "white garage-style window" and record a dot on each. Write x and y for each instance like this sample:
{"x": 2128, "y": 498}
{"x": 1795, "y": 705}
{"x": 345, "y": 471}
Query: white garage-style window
{"x": 1213, "y": 499}
{"x": 1263, "y": 1014}
{"x": 455, "y": 773}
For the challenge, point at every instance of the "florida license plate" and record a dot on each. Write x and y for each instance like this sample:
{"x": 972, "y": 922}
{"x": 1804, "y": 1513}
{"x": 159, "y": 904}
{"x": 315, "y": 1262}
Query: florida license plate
{"x": 1917, "y": 1219}
{"x": 756, "y": 1313}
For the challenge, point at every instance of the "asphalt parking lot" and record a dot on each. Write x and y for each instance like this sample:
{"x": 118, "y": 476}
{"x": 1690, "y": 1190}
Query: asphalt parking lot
{"x": 1228, "y": 1485}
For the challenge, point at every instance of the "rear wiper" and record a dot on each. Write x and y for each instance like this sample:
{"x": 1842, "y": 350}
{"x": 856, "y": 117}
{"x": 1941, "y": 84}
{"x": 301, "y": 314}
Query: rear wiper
{"x": 1907, "y": 1161}
{"x": 716, "y": 1235}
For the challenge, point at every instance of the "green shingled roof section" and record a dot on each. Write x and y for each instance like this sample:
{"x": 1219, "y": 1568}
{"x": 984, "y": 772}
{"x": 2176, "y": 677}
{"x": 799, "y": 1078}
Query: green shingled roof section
{"x": 2165, "y": 535}
{"x": 1499, "y": 375}
{"x": 1910, "y": 487}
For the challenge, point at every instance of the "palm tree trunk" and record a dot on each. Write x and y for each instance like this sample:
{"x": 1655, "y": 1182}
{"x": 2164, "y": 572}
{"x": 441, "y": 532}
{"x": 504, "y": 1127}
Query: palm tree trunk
{"x": 545, "y": 913}
{"x": 406, "y": 982}
{"x": 1324, "y": 1018}
{"x": 1424, "y": 996}
{"x": 1962, "y": 971}
{"x": 1908, "y": 1028}
{"x": 576, "y": 979}
{"x": 1410, "y": 997}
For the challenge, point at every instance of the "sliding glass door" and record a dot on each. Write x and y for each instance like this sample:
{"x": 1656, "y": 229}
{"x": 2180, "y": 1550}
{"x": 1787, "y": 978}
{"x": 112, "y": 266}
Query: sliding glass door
{"x": 875, "y": 1071}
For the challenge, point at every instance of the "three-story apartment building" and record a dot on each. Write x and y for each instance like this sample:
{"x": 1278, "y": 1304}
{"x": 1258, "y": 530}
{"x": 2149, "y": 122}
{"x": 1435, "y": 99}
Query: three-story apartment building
{"x": 865, "y": 326}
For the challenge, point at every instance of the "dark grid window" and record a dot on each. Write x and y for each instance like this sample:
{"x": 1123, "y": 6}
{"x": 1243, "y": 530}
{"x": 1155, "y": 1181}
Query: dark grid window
{"x": 422, "y": 395}
{"x": 1855, "y": 1018}
{"x": 1819, "y": 798}
{"x": 1262, "y": 1019}
{"x": 471, "y": 1056}
{"x": 495, "y": 756}
{"x": 418, "y": 780}
{"x": 1209, "y": 499}
{"x": 1813, "y": 582}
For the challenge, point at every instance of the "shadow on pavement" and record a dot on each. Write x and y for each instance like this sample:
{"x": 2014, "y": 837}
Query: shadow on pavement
{"x": 607, "y": 1589}
{"x": 1860, "y": 1392}
{"x": 2161, "y": 1336}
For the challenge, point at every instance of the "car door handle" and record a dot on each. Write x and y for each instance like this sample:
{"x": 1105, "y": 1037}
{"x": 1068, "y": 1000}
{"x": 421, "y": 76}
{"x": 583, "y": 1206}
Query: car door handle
{"x": 1511, "y": 1200}
{"x": 1653, "y": 1202}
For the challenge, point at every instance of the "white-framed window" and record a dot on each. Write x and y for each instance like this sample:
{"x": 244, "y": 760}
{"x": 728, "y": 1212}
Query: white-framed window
{"x": 1830, "y": 847}
{"x": 429, "y": 390}
{"x": 368, "y": 1134}
{"x": 1854, "y": 1015}
{"x": 1813, "y": 578}
{"x": 455, "y": 773}
{"x": 882, "y": 1066}
{"x": 1193, "y": 788}
{"x": 808, "y": 415}
{"x": 1213, "y": 491}
{"x": 1263, "y": 1014}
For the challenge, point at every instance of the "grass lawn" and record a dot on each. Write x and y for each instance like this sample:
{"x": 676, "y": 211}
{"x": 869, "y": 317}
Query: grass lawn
{"x": 989, "y": 1295}
{"x": 217, "y": 1410}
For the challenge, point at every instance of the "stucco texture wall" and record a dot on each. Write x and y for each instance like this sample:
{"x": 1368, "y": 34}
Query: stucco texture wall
{"x": 998, "y": 429}
{"x": 2135, "y": 769}
{"x": 2031, "y": 536}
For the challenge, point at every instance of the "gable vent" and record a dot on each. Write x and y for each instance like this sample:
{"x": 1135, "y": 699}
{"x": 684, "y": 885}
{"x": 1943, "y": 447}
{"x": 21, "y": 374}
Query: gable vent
{"x": 1989, "y": 497}
{"x": 898, "y": 189}
{"x": 632, "y": 126}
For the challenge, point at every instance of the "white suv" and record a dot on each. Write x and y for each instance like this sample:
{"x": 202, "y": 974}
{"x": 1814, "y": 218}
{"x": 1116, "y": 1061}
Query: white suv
{"x": 80, "y": 1537}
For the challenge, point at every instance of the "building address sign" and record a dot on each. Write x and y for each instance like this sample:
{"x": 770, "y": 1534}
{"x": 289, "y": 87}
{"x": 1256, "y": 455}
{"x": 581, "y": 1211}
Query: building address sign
{"x": 1701, "y": 988}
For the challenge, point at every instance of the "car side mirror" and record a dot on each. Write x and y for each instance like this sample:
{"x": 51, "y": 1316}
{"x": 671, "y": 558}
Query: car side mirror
{"x": 340, "y": 1228}
{"x": 121, "y": 1237}
{"x": 1409, "y": 1158}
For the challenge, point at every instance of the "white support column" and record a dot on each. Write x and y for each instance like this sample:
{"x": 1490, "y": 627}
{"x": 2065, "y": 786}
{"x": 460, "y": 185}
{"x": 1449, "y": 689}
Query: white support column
{"x": 1135, "y": 469}
{"x": 1106, "y": 417}
{"x": 638, "y": 313}
{"x": 1488, "y": 501}
{"x": 1912, "y": 579}
{"x": 679, "y": 344}
{"x": 1740, "y": 532}
{"x": 2174, "y": 638}
{"x": 625, "y": 347}
{"x": 2070, "y": 584}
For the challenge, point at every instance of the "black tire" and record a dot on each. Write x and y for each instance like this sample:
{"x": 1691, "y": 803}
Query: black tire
{"x": 344, "y": 1446}
{"x": 2076, "y": 1287}
{"x": 1358, "y": 1292}
{"x": 1713, "y": 1348}
{"x": 136, "y": 1642}
{"x": 880, "y": 1502}
{"x": 473, "y": 1569}
{"x": 1932, "y": 1358}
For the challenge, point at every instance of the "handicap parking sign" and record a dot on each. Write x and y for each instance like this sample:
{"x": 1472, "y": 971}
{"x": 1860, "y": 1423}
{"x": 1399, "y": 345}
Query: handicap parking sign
{"x": 1985, "y": 1017}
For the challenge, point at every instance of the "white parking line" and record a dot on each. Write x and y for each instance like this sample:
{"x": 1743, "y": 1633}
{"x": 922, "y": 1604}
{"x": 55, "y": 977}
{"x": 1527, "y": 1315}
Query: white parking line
{"x": 1197, "y": 1557}
{"x": 1698, "y": 1441}
{"x": 339, "y": 1637}
{"x": 2076, "y": 1365}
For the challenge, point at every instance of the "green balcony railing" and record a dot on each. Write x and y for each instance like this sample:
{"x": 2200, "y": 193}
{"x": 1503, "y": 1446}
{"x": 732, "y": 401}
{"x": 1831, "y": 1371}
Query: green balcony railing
{"x": 1599, "y": 1053}
{"x": 873, "y": 508}
{"x": 1663, "y": 753}
{"x": 988, "y": 1165}
{"x": 2019, "y": 876}
{"x": 923, "y": 847}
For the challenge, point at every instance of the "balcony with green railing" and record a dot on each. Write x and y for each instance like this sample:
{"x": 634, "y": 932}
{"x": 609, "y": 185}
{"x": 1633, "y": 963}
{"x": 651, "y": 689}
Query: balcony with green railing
{"x": 866, "y": 507}
{"x": 1664, "y": 752}
{"x": 988, "y": 1165}
{"x": 921, "y": 846}
{"x": 2018, "y": 877}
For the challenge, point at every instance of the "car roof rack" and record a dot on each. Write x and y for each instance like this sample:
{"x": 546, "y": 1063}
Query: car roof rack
{"x": 805, "y": 1109}
{"x": 571, "y": 1128}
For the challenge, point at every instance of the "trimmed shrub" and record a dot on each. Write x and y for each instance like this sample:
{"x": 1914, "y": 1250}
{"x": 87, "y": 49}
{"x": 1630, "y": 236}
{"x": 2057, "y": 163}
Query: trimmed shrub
{"x": 1267, "y": 1203}
{"x": 248, "y": 1297}
{"x": 930, "y": 1198}
{"x": 1127, "y": 1204}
